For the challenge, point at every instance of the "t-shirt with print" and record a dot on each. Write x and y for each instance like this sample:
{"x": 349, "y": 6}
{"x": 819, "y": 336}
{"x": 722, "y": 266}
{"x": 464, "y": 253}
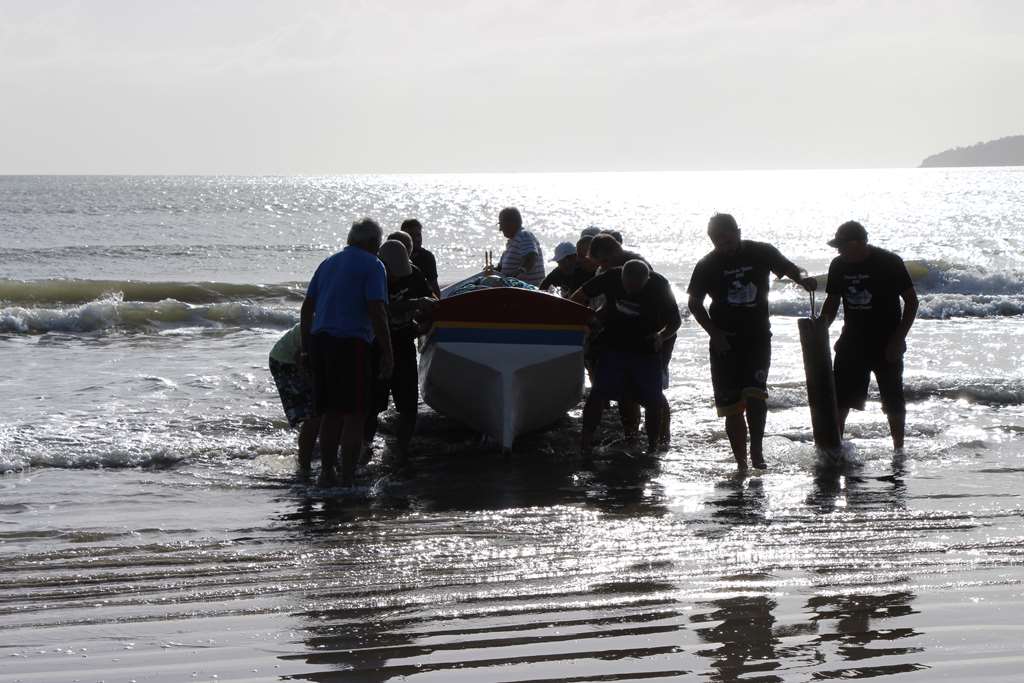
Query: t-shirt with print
{"x": 871, "y": 294}
{"x": 412, "y": 286}
{"x": 738, "y": 286}
{"x": 341, "y": 287}
{"x": 516, "y": 249}
{"x": 630, "y": 319}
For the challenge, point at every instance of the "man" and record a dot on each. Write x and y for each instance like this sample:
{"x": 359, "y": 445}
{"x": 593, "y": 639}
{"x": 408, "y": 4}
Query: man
{"x": 420, "y": 257}
{"x": 291, "y": 376}
{"x": 409, "y": 298}
{"x": 639, "y": 317}
{"x": 571, "y": 272}
{"x": 735, "y": 275}
{"x": 405, "y": 239}
{"x": 522, "y": 258}
{"x": 870, "y": 281}
{"x": 606, "y": 252}
{"x": 344, "y": 312}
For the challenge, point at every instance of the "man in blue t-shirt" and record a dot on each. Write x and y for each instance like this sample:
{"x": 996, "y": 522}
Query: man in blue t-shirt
{"x": 345, "y": 311}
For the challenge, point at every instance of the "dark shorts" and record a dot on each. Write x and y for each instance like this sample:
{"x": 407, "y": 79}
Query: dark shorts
{"x": 853, "y": 367}
{"x": 403, "y": 386}
{"x": 342, "y": 381}
{"x": 627, "y": 374}
{"x": 741, "y": 373}
{"x": 295, "y": 391}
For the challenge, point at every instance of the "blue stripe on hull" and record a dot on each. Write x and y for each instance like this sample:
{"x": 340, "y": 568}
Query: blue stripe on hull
{"x": 478, "y": 335}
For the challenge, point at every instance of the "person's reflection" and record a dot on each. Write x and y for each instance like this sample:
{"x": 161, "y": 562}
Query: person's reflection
{"x": 860, "y": 631}
{"x": 746, "y": 642}
{"x": 841, "y": 484}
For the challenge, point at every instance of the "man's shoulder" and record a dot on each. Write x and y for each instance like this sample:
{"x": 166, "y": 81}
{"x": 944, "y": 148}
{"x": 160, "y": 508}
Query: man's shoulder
{"x": 885, "y": 256}
{"x": 759, "y": 249}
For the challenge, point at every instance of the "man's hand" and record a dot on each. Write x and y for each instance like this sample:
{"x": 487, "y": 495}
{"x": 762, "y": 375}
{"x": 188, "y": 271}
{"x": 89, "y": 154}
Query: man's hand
{"x": 387, "y": 365}
{"x": 656, "y": 341}
{"x": 425, "y": 305}
{"x": 809, "y": 283}
{"x": 720, "y": 342}
{"x": 894, "y": 349}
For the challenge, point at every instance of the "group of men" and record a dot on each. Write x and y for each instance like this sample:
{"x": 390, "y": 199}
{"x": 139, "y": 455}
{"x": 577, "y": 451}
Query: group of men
{"x": 366, "y": 304}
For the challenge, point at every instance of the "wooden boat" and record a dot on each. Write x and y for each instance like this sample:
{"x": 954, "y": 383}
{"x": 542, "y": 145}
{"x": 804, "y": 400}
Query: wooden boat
{"x": 504, "y": 360}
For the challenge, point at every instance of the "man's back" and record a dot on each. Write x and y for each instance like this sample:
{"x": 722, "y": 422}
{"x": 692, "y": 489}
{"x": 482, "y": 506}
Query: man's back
{"x": 341, "y": 286}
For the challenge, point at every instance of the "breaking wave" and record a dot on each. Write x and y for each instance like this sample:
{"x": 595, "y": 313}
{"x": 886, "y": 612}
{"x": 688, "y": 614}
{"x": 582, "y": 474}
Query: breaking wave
{"x": 74, "y": 291}
{"x": 113, "y": 313}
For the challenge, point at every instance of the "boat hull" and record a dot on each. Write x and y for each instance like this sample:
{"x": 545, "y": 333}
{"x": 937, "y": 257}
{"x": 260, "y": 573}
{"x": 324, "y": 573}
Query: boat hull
{"x": 504, "y": 361}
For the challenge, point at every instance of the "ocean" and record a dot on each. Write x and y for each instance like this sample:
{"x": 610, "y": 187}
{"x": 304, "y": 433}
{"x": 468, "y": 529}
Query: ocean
{"x": 151, "y": 527}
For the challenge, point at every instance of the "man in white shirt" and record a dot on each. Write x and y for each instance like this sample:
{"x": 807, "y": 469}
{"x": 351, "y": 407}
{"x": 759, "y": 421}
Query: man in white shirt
{"x": 522, "y": 258}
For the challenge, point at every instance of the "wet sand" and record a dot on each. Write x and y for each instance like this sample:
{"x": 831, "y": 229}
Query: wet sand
{"x": 479, "y": 568}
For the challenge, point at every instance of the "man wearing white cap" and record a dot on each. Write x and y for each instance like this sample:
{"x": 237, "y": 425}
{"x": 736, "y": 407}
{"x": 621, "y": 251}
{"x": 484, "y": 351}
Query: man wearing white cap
{"x": 571, "y": 273}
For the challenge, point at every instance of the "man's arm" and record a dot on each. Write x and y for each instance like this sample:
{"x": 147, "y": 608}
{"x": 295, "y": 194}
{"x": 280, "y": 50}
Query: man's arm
{"x": 379, "y": 320}
{"x": 894, "y": 349}
{"x": 783, "y": 267}
{"x": 830, "y": 309}
{"x": 719, "y": 338}
{"x": 528, "y": 262}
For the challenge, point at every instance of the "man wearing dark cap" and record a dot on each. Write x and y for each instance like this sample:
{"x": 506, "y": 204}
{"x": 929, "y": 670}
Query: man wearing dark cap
{"x": 420, "y": 257}
{"x": 735, "y": 274}
{"x": 870, "y": 282}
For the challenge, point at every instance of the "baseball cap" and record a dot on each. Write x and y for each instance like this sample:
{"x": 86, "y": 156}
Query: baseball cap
{"x": 396, "y": 257}
{"x": 564, "y": 249}
{"x": 847, "y": 232}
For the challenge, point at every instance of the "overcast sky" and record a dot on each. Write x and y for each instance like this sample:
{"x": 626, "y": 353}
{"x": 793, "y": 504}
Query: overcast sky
{"x": 240, "y": 86}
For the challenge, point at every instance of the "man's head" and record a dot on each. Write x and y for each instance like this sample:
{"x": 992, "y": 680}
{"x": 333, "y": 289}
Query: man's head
{"x": 404, "y": 238}
{"x": 590, "y": 231}
{"x": 724, "y": 233}
{"x": 414, "y": 229}
{"x": 614, "y": 233}
{"x": 565, "y": 256}
{"x": 510, "y": 221}
{"x": 605, "y": 251}
{"x": 635, "y": 275}
{"x": 583, "y": 252}
{"x": 852, "y": 242}
{"x": 396, "y": 259}
{"x": 365, "y": 234}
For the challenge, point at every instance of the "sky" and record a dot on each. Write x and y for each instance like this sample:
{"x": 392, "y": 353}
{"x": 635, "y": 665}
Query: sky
{"x": 393, "y": 86}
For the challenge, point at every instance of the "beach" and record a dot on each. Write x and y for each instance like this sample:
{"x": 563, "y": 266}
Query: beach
{"x": 152, "y": 528}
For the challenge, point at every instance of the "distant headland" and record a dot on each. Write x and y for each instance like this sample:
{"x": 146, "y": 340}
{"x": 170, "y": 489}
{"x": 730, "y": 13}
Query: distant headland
{"x": 1008, "y": 151}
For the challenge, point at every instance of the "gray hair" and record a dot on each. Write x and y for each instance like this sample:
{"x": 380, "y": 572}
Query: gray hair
{"x": 636, "y": 271}
{"x": 366, "y": 234}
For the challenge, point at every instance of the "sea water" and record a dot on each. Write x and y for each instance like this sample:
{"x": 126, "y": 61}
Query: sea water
{"x": 150, "y": 521}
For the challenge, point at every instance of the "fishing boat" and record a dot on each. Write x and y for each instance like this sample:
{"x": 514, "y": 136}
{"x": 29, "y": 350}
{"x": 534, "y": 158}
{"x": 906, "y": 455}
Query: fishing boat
{"x": 503, "y": 357}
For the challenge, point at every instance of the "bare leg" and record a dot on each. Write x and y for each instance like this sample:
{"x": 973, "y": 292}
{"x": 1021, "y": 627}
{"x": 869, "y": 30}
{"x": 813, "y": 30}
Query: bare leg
{"x": 757, "y": 417}
{"x": 666, "y": 424}
{"x": 843, "y": 414}
{"x": 307, "y": 440}
{"x": 591, "y": 418}
{"x": 629, "y": 413}
{"x": 736, "y": 429}
{"x": 351, "y": 446}
{"x": 897, "y": 427}
{"x": 406, "y": 427}
{"x": 652, "y": 424}
{"x": 330, "y": 432}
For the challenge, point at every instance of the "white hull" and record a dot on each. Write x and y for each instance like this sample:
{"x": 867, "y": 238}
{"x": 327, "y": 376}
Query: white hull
{"x": 501, "y": 390}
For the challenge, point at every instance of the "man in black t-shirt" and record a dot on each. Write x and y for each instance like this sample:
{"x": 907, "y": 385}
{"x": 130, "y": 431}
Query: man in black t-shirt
{"x": 736, "y": 276}
{"x": 572, "y": 272}
{"x": 410, "y": 299}
{"x": 640, "y": 315}
{"x": 420, "y": 257}
{"x": 870, "y": 283}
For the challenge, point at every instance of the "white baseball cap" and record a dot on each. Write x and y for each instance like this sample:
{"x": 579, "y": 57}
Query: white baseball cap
{"x": 564, "y": 249}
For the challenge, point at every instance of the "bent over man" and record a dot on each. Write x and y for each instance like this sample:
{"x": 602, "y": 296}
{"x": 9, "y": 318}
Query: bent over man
{"x": 735, "y": 274}
{"x": 344, "y": 312}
